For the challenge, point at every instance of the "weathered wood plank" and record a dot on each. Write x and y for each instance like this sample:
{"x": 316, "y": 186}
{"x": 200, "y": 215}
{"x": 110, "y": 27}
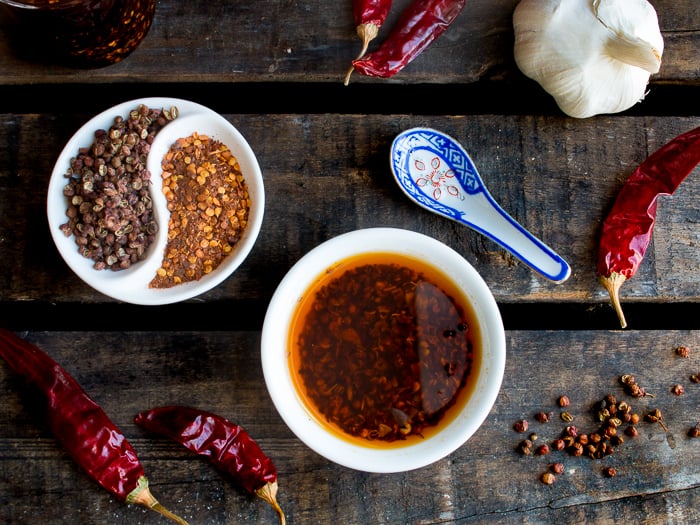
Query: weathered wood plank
{"x": 272, "y": 41}
{"x": 327, "y": 174}
{"x": 275, "y": 70}
{"x": 485, "y": 481}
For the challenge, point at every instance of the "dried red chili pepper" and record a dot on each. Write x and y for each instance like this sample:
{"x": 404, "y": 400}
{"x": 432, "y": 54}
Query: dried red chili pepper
{"x": 228, "y": 446}
{"x": 369, "y": 15}
{"x": 418, "y": 26}
{"x": 628, "y": 228}
{"x": 81, "y": 426}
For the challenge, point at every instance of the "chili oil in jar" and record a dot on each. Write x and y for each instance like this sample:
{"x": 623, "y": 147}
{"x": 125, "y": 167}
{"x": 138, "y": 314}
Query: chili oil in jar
{"x": 76, "y": 33}
{"x": 384, "y": 350}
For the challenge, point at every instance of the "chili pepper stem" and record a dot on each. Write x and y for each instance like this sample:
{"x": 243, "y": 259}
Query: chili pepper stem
{"x": 268, "y": 492}
{"x": 367, "y": 33}
{"x": 347, "y": 76}
{"x": 143, "y": 496}
{"x": 612, "y": 284}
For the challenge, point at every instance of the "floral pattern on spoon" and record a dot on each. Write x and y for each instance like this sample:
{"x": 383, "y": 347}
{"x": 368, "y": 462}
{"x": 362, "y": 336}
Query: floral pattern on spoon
{"x": 436, "y": 173}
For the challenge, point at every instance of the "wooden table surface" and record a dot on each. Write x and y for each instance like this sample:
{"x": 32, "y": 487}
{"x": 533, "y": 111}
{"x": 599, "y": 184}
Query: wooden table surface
{"x": 275, "y": 69}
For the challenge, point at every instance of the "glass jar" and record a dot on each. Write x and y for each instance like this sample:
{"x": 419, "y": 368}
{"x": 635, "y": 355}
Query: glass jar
{"x": 77, "y": 33}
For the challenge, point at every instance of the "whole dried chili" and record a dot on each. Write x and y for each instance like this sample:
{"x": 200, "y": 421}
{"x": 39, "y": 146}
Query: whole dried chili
{"x": 228, "y": 446}
{"x": 628, "y": 228}
{"x": 369, "y": 15}
{"x": 81, "y": 426}
{"x": 418, "y": 26}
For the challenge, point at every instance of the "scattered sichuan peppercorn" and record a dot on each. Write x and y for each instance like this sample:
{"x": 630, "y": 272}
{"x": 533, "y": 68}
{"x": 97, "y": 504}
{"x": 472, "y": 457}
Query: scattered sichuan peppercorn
{"x": 525, "y": 447}
{"x": 521, "y": 425}
{"x": 548, "y": 478}
{"x": 655, "y": 416}
{"x": 694, "y": 431}
{"x": 631, "y": 431}
{"x": 611, "y": 413}
{"x": 564, "y": 401}
{"x": 571, "y": 430}
{"x": 228, "y": 447}
{"x": 683, "y": 351}
{"x": 609, "y": 472}
{"x": 627, "y": 379}
{"x": 610, "y": 431}
{"x": 542, "y": 450}
{"x": 557, "y": 468}
{"x": 628, "y": 228}
{"x": 542, "y": 417}
{"x": 632, "y": 388}
{"x": 558, "y": 444}
{"x": 624, "y": 410}
{"x": 81, "y": 426}
{"x": 576, "y": 449}
{"x": 677, "y": 390}
{"x": 695, "y": 378}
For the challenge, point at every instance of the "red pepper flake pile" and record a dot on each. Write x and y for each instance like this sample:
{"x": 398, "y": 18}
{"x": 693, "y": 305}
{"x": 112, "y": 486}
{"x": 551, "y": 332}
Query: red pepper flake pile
{"x": 381, "y": 351}
{"x": 209, "y": 206}
{"x": 628, "y": 228}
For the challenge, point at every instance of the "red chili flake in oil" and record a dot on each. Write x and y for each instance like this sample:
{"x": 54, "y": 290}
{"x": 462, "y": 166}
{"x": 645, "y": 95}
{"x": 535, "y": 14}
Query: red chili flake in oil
{"x": 381, "y": 350}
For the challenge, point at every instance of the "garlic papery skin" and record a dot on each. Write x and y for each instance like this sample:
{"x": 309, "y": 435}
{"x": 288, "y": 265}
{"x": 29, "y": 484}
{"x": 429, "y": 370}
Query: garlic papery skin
{"x": 591, "y": 56}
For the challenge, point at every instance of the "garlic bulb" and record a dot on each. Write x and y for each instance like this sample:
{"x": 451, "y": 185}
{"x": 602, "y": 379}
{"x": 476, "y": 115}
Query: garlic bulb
{"x": 592, "y": 56}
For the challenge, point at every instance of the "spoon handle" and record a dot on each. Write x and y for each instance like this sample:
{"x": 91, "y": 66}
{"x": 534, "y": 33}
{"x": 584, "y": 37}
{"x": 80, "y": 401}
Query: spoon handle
{"x": 489, "y": 219}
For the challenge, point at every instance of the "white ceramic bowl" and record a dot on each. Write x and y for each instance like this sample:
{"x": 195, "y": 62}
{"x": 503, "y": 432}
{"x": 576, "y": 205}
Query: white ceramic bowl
{"x": 278, "y": 378}
{"x": 131, "y": 285}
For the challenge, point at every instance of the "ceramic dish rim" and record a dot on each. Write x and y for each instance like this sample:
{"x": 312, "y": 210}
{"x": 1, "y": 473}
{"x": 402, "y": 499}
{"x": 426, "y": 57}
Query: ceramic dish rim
{"x": 288, "y": 402}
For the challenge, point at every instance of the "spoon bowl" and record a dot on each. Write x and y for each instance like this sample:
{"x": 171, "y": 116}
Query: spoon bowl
{"x": 436, "y": 173}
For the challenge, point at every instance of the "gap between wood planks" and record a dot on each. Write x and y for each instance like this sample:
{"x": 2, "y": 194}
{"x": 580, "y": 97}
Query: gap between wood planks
{"x": 249, "y": 315}
{"x": 517, "y": 97}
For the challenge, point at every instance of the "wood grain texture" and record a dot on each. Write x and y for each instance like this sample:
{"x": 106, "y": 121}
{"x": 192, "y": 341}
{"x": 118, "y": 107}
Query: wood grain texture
{"x": 280, "y": 41}
{"x": 328, "y": 174}
{"x": 274, "y": 69}
{"x": 484, "y": 481}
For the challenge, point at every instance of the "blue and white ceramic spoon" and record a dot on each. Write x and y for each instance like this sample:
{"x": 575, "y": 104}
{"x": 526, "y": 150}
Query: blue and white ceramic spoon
{"x": 436, "y": 173}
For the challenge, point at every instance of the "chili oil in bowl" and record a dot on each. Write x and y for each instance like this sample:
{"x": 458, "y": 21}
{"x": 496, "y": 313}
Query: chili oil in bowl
{"x": 383, "y": 350}
{"x": 209, "y": 243}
